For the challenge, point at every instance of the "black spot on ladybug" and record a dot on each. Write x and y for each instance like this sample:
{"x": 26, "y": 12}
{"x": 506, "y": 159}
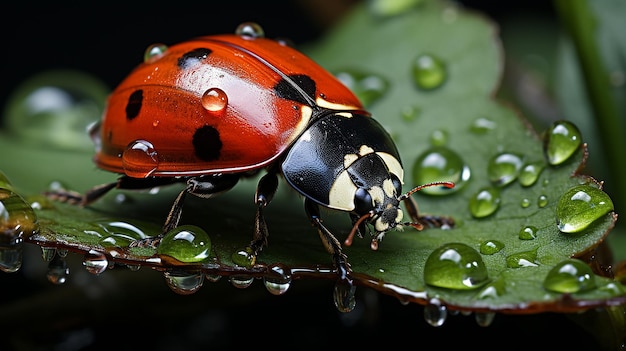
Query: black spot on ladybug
{"x": 207, "y": 143}
{"x": 286, "y": 89}
{"x": 133, "y": 106}
{"x": 193, "y": 57}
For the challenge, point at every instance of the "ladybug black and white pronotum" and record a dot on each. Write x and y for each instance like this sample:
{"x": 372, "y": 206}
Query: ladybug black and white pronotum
{"x": 211, "y": 110}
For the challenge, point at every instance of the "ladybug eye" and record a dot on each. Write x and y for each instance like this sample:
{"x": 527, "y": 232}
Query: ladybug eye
{"x": 362, "y": 201}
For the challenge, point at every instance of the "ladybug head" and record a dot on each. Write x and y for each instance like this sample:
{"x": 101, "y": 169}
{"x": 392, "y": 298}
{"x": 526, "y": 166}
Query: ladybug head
{"x": 385, "y": 214}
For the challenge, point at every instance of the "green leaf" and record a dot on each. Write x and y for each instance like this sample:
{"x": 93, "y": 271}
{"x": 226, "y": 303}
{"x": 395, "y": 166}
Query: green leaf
{"x": 458, "y": 113}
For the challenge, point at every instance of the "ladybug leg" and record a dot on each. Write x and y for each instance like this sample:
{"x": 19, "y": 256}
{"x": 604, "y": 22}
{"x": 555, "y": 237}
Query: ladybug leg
{"x": 264, "y": 194}
{"x": 200, "y": 186}
{"x": 99, "y": 191}
{"x": 331, "y": 243}
{"x": 204, "y": 187}
{"x": 427, "y": 220}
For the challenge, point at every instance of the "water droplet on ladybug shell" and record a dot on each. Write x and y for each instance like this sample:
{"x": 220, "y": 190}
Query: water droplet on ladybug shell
{"x": 140, "y": 159}
{"x": 154, "y": 52}
{"x": 214, "y": 100}
{"x": 250, "y": 30}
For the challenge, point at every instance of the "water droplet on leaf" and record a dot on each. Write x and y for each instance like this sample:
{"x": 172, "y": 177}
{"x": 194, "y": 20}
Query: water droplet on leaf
{"x": 542, "y": 201}
{"x": 485, "y": 202}
{"x": 490, "y": 247}
{"x": 455, "y": 266}
{"x": 344, "y": 296}
{"x": 429, "y": 72}
{"x": 278, "y": 280}
{"x": 561, "y": 141}
{"x": 438, "y": 137}
{"x": 368, "y": 87}
{"x": 57, "y": 270}
{"x": 186, "y": 243}
{"x": 482, "y": 125}
{"x": 570, "y": 276}
{"x": 522, "y": 259}
{"x": 580, "y": 206}
{"x": 528, "y": 232}
{"x": 410, "y": 113}
{"x": 435, "y": 313}
{"x": 240, "y": 282}
{"x": 244, "y": 257}
{"x": 504, "y": 168}
{"x": 182, "y": 282}
{"x": 95, "y": 262}
{"x": 530, "y": 172}
{"x": 440, "y": 163}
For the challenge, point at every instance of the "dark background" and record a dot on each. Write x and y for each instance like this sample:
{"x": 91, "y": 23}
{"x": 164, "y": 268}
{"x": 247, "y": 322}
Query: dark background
{"x": 140, "y": 311}
{"x": 108, "y": 41}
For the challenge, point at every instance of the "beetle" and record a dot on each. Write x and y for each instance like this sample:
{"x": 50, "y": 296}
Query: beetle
{"x": 212, "y": 110}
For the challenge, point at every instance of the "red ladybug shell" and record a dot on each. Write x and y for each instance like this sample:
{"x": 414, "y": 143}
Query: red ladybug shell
{"x": 259, "y": 96}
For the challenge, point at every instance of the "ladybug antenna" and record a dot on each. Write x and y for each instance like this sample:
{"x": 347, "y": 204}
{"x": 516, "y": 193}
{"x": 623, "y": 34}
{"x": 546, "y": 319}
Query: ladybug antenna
{"x": 355, "y": 227}
{"x": 406, "y": 195}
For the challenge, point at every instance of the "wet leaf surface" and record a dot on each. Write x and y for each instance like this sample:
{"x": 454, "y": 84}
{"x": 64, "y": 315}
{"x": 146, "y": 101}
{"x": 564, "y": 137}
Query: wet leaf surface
{"x": 458, "y": 113}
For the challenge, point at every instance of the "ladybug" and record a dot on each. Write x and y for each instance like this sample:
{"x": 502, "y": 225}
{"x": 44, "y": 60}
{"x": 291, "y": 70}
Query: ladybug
{"x": 214, "y": 109}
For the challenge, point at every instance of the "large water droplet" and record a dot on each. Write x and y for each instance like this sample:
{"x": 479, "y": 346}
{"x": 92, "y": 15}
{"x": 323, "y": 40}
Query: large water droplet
{"x": 484, "y": 202}
{"x": 250, "y": 30}
{"x": 186, "y": 243}
{"x": 344, "y": 296}
{"x": 504, "y": 168}
{"x": 440, "y": 163}
{"x": 154, "y": 52}
{"x": 429, "y": 72}
{"x": 278, "y": 280}
{"x": 214, "y": 100}
{"x": 95, "y": 262}
{"x": 580, "y": 206}
{"x": 368, "y": 87}
{"x": 490, "y": 247}
{"x": 140, "y": 159}
{"x": 435, "y": 313}
{"x": 182, "y": 282}
{"x": 561, "y": 141}
{"x": 570, "y": 276}
{"x": 455, "y": 266}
